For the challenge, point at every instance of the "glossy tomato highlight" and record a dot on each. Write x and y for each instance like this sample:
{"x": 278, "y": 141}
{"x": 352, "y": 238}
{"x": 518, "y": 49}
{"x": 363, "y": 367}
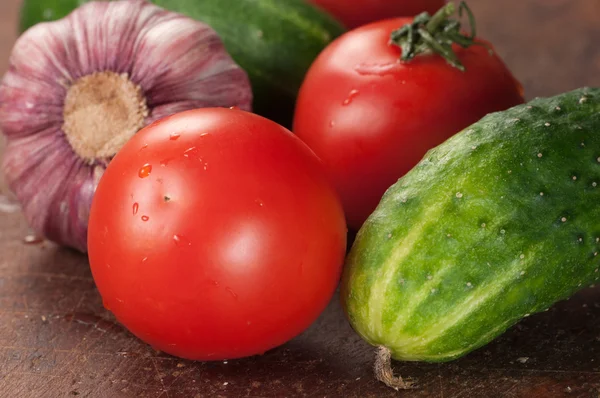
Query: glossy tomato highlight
{"x": 371, "y": 118}
{"x": 215, "y": 234}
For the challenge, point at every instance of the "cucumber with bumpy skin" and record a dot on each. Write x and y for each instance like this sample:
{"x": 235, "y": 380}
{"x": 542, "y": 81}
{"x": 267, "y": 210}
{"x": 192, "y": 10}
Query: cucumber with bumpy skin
{"x": 499, "y": 222}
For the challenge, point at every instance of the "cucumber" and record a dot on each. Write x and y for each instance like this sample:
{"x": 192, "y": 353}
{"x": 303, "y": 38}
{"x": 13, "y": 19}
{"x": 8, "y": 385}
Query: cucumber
{"x": 497, "y": 223}
{"x": 275, "y": 41}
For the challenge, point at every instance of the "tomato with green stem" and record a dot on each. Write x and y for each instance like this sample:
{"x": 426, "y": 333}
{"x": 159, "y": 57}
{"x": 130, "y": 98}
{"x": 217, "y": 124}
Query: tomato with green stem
{"x": 214, "y": 234}
{"x": 380, "y": 96}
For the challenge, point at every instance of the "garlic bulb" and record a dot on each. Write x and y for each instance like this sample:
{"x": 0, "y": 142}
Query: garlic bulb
{"x": 77, "y": 89}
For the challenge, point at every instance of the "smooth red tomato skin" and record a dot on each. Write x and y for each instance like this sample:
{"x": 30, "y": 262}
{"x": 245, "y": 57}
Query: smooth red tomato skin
{"x": 354, "y": 13}
{"x": 214, "y": 234}
{"x": 371, "y": 119}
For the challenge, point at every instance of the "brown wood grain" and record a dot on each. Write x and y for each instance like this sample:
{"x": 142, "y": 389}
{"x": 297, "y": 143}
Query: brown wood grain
{"x": 8, "y": 34}
{"x": 56, "y": 340}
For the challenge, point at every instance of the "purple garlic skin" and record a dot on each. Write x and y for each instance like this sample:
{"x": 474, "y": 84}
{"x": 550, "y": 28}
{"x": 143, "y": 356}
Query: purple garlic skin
{"x": 77, "y": 89}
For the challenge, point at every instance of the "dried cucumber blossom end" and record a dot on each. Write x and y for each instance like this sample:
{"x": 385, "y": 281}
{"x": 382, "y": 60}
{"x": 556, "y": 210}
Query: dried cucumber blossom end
{"x": 77, "y": 89}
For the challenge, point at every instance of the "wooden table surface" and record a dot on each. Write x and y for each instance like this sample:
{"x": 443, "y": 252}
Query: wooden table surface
{"x": 56, "y": 339}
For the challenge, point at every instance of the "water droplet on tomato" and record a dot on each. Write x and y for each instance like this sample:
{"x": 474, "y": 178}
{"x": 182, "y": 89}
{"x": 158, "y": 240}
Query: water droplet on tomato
{"x": 331, "y": 123}
{"x": 378, "y": 69}
{"x": 145, "y": 170}
{"x": 144, "y": 259}
{"x": 351, "y": 95}
{"x": 143, "y": 147}
{"x": 165, "y": 162}
{"x": 190, "y": 152}
{"x": 154, "y": 123}
{"x": 235, "y": 296}
{"x": 174, "y": 136}
{"x": 181, "y": 240}
{"x": 145, "y": 218}
{"x": 136, "y": 207}
{"x": 234, "y": 108}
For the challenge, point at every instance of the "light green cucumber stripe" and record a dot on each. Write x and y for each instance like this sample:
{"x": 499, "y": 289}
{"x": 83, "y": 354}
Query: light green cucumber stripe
{"x": 422, "y": 294}
{"x": 415, "y": 301}
{"x": 435, "y": 209}
{"x": 464, "y": 309}
{"x": 395, "y": 261}
{"x": 448, "y": 355}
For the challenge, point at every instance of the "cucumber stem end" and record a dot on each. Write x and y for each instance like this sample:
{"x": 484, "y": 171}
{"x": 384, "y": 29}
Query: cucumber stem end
{"x": 385, "y": 374}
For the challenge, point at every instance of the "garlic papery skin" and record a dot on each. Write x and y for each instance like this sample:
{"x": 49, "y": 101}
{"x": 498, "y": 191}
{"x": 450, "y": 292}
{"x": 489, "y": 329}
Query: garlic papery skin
{"x": 78, "y": 88}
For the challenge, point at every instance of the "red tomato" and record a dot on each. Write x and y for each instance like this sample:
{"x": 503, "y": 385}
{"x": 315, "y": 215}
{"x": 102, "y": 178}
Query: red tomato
{"x": 371, "y": 118}
{"x": 215, "y": 234}
{"x": 354, "y": 13}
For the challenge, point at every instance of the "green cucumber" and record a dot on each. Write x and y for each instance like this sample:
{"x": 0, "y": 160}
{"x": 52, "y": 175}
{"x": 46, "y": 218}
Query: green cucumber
{"x": 275, "y": 41}
{"x": 499, "y": 222}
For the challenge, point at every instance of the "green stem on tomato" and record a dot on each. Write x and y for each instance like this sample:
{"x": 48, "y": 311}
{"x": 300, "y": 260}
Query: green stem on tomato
{"x": 436, "y": 34}
{"x": 440, "y": 17}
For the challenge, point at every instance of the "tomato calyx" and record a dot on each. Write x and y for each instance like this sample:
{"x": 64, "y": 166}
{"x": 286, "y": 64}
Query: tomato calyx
{"x": 436, "y": 34}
